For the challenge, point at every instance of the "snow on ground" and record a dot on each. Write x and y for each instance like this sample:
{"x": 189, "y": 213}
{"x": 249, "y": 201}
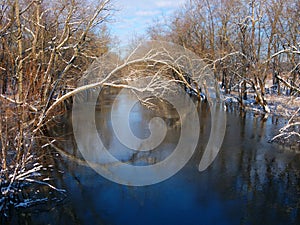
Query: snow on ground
{"x": 279, "y": 105}
{"x": 283, "y": 105}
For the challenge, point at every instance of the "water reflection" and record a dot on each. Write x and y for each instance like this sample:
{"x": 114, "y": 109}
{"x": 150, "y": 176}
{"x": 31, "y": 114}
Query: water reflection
{"x": 139, "y": 120}
{"x": 250, "y": 182}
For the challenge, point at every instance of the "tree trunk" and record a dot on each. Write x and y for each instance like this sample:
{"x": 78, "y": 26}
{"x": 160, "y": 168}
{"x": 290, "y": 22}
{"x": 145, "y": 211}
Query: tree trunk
{"x": 19, "y": 60}
{"x": 260, "y": 98}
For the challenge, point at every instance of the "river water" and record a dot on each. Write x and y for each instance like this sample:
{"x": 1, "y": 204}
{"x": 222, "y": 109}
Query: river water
{"x": 251, "y": 181}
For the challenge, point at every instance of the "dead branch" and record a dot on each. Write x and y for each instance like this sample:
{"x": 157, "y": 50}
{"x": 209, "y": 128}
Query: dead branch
{"x": 287, "y": 83}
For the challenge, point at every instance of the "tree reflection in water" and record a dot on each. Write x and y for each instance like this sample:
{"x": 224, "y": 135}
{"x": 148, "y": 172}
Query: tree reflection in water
{"x": 250, "y": 182}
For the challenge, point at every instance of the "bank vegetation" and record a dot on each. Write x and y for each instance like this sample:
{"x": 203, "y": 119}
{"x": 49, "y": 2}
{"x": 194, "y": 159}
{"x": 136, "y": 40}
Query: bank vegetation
{"x": 45, "y": 46}
{"x": 253, "y": 47}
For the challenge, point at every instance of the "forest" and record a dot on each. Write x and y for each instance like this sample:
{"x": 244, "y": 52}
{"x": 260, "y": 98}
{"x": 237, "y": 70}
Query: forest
{"x": 45, "y": 46}
{"x": 252, "y": 47}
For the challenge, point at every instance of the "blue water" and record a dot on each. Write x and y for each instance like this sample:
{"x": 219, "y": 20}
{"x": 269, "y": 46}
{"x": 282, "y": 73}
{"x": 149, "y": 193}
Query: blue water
{"x": 250, "y": 182}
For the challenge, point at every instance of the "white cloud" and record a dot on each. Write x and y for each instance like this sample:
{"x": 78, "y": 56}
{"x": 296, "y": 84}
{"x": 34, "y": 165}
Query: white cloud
{"x": 147, "y": 12}
{"x": 164, "y": 3}
{"x": 135, "y": 16}
{"x": 168, "y": 3}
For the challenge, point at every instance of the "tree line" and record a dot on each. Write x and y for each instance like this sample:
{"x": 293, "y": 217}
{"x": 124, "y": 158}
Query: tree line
{"x": 47, "y": 41}
{"x": 45, "y": 46}
{"x": 246, "y": 42}
{"x": 253, "y": 47}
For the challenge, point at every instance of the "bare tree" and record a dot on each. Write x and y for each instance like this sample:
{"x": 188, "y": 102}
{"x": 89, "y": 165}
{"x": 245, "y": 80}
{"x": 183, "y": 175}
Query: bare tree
{"x": 246, "y": 43}
{"x": 45, "y": 45}
{"x": 290, "y": 131}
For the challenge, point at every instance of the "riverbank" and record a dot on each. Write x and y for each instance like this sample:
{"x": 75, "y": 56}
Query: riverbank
{"x": 246, "y": 160}
{"x": 286, "y": 107}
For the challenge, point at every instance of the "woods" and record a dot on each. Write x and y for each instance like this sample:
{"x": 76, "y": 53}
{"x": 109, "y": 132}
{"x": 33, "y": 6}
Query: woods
{"x": 252, "y": 46}
{"x": 45, "y": 47}
{"x": 246, "y": 41}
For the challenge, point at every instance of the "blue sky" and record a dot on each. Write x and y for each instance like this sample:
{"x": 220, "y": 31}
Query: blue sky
{"x": 134, "y": 16}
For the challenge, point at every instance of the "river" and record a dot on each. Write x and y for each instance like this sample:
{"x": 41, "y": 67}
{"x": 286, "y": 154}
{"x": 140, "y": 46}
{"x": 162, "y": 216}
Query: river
{"x": 251, "y": 181}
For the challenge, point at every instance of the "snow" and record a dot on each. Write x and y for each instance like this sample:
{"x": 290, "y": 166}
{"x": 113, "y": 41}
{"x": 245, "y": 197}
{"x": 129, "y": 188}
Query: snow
{"x": 20, "y": 177}
{"x": 30, "y": 202}
{"x": 279, "y": 105}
